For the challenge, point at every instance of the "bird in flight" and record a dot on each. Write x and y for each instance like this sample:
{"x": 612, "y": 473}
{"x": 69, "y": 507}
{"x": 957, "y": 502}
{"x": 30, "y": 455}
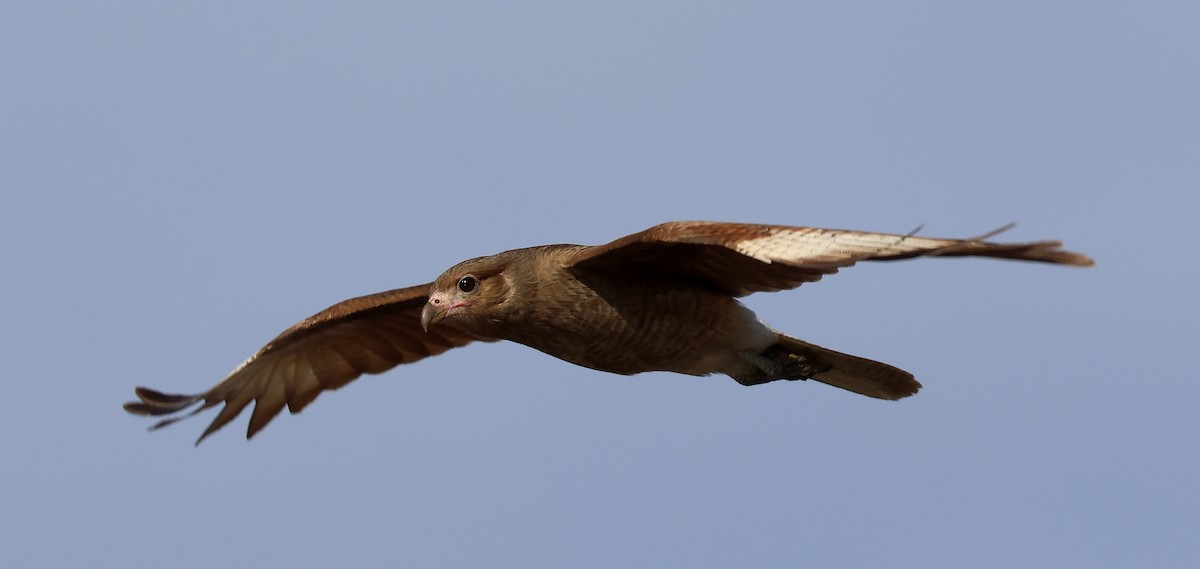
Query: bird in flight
{"x": 663, "y": 299}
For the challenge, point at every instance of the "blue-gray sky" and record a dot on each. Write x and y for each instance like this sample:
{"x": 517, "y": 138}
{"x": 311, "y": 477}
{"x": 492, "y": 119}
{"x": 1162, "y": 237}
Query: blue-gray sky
{"x": 181, "y": 181}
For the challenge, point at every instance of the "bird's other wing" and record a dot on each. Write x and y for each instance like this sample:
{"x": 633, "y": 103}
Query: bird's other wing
{"x": 740, "y": 258}
{"x": 367, "y": 334}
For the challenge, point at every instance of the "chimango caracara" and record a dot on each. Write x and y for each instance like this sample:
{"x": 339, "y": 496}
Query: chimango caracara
{"x": 664, "y": 299}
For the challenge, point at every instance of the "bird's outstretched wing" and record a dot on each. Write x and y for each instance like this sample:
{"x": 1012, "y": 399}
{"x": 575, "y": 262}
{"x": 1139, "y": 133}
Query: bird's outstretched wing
{"x": 740, "y": 258}
{"x": 367, "y": 334}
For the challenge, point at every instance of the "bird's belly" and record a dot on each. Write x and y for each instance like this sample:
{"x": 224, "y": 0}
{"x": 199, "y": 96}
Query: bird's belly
{"x": 695, "y": 334}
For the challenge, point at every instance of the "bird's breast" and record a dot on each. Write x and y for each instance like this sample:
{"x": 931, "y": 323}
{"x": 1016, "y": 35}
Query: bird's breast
{"x": 636, "y": 324}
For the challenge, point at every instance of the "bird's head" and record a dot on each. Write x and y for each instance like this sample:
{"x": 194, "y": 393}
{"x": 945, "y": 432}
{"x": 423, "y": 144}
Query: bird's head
{"x": 470, "y": 294}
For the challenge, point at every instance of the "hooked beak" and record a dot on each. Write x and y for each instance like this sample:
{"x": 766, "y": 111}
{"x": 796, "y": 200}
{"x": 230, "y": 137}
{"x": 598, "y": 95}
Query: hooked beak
{"x": 431, "y": 315}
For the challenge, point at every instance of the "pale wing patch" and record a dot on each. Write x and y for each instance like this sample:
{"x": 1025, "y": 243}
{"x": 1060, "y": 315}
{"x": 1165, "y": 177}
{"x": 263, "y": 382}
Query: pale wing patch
{"x": 810, "y": 245}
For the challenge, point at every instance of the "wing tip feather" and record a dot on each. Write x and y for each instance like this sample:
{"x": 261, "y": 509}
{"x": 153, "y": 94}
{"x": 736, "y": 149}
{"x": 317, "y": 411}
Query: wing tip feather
{"x": 152, "y": 402}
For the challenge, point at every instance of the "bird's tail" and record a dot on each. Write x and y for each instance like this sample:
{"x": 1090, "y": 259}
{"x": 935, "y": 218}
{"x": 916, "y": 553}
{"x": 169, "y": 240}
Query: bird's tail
{"x": 802, "y": 360}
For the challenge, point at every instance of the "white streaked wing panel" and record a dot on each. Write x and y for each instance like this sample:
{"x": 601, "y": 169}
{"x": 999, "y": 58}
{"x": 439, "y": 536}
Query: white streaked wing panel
{"x": 807, "y": 245}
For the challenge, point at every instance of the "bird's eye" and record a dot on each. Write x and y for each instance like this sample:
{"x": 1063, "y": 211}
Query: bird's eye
{"x": 467, "y": 283}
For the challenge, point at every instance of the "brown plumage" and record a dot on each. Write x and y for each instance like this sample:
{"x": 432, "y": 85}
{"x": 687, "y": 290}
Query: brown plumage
{"x": 663, "y": 299}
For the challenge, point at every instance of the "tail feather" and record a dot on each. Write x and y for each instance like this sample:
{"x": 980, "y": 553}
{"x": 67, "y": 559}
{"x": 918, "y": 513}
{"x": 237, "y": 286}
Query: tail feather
{"x": 852, "y": 373}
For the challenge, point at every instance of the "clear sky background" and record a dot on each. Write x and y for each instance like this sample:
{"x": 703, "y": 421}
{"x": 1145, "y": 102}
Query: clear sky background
{"x": 182, "y": 181}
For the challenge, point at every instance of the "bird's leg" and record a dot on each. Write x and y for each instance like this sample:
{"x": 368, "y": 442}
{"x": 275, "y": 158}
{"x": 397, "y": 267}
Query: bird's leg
{"x": 800, "y": 366}
{"x": 778, "y": 362}
{"x": 772, "y": 368}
